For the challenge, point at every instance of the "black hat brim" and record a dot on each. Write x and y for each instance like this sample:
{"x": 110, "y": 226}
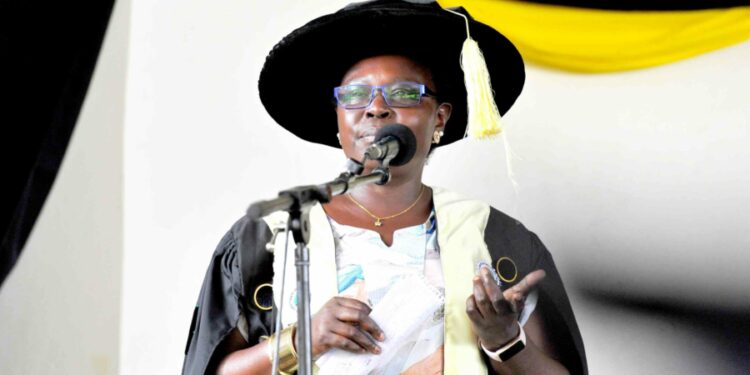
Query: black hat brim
{"x": 297, "y": 80}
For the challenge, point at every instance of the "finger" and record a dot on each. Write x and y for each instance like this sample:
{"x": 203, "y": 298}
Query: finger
{"x": 494, "y": 293}
{"x": 482, "y": 300}
{"x": 360, "y": 318}
{"x": 525, "y": 286}
{"x": 534, "y": 278}
{"x": 472, "y": 310}
{"x": 368, "y": 325}
{"x": 518, "y": 304}
{"x": 342, "y": 342}
{"x": 353, "y": 333}
{"x": 353, "y": 303}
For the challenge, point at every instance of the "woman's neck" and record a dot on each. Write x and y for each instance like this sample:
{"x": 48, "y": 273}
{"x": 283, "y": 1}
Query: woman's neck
{"x": 384, "y": 200}
{"x": 399, "y": 204}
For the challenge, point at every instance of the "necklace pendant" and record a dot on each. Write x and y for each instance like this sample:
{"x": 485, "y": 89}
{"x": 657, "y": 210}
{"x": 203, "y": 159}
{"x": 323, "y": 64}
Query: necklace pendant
{"x": 378, "y": 222}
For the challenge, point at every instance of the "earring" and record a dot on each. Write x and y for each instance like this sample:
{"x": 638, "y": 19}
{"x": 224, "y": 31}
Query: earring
{"x": 338, "y": 136}
{"x": 436, "y": 136}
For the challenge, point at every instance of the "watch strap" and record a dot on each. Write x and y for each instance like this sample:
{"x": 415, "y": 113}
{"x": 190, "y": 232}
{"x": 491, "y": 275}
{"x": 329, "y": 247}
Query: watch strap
{"x": 510, "y": 349}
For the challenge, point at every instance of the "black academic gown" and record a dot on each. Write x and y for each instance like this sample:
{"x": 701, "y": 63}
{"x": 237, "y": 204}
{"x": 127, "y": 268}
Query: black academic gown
{"x": 241, "y": 268}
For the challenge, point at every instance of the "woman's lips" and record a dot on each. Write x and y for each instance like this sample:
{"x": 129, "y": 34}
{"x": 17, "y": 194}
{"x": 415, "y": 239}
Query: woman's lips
{"x": 367, "y": 139}
{"x": 367, "y": 136}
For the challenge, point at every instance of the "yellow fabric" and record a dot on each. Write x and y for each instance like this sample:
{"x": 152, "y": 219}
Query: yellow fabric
{"x": 484, "y": 117}
{"x": 461, "y": 224}
{"x": 593, "y": 40}
{"x": 323, "y": 285}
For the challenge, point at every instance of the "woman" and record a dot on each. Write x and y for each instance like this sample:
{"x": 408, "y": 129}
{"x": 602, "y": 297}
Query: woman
{"x": 389, "y": 62}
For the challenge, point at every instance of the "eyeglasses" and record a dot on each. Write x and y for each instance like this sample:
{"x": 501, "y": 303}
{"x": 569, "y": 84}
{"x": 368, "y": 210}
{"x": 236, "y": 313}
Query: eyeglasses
{"x": 397, "y": 94}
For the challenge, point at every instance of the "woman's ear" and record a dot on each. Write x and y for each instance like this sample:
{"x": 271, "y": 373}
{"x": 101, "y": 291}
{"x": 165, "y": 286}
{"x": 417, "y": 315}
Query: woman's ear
{"x": 443, "y": 114}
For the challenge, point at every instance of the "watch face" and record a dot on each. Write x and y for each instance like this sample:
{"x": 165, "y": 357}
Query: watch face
{"x": 513, "y": 350}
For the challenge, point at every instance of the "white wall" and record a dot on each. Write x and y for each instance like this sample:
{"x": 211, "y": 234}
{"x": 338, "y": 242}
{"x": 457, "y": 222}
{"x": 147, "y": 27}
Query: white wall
{"x": 651, "y": 170}
{"x": 60, "y": 306}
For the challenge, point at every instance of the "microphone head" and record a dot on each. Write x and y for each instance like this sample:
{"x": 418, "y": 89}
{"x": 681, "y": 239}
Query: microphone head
{"x": 407, "y": 142}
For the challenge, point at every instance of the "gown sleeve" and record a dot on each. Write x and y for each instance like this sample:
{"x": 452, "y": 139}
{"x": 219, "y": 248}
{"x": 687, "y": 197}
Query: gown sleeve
{"x": 236, "y": 285}
{"x": 515, "y": 252}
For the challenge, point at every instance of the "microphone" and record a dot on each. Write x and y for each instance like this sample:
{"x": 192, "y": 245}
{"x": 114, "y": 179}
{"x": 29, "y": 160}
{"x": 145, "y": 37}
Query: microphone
{"x": 394, "y": 143}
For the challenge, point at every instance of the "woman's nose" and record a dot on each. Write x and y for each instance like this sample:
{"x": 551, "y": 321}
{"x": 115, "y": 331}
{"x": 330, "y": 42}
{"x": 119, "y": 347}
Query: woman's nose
{"x": 379, "y": 108}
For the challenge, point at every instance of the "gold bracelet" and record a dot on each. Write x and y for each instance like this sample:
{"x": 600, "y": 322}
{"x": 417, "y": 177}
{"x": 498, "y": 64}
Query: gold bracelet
{"x": 287, "y": 354}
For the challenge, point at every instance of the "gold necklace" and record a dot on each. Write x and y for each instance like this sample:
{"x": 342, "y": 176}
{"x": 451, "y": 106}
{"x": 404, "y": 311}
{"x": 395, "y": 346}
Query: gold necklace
{"x": 379, "y": 220}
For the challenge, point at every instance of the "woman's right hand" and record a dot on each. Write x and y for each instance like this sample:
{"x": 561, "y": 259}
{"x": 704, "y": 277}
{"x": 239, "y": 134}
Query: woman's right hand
{"x": 345, "y": 323}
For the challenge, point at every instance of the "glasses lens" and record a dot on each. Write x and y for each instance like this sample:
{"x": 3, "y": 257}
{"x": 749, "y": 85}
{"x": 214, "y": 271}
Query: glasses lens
{"x": 404, "y": 94}
{"x": 353, "y": 96}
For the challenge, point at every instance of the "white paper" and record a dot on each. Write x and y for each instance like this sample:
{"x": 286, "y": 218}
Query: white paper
{"x": 399, "y": 314}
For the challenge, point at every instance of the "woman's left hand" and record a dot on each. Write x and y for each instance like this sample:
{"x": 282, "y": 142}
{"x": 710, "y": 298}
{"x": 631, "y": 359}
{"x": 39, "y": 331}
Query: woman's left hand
{"x": 494, "y": 313}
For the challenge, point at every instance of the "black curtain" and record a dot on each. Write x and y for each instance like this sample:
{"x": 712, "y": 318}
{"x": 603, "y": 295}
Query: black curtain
{"x": 48, "y": 51}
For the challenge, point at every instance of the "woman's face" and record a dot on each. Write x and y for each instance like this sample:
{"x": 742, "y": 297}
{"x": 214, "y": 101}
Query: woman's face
{"x": 357, "y": 127}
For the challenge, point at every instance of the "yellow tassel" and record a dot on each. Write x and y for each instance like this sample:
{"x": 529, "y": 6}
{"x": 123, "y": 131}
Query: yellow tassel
{"x": 483, "y": 115}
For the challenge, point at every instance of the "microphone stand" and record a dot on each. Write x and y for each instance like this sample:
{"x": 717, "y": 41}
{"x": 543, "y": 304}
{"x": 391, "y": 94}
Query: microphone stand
{"x": 298, "y": 201}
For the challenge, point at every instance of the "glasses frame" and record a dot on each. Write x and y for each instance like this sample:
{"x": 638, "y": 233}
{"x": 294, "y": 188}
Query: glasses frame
{"x": 423, "y": 91}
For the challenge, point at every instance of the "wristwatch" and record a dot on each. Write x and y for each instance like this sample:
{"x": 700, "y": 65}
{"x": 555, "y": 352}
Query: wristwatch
{"x": 510, "y": 349}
